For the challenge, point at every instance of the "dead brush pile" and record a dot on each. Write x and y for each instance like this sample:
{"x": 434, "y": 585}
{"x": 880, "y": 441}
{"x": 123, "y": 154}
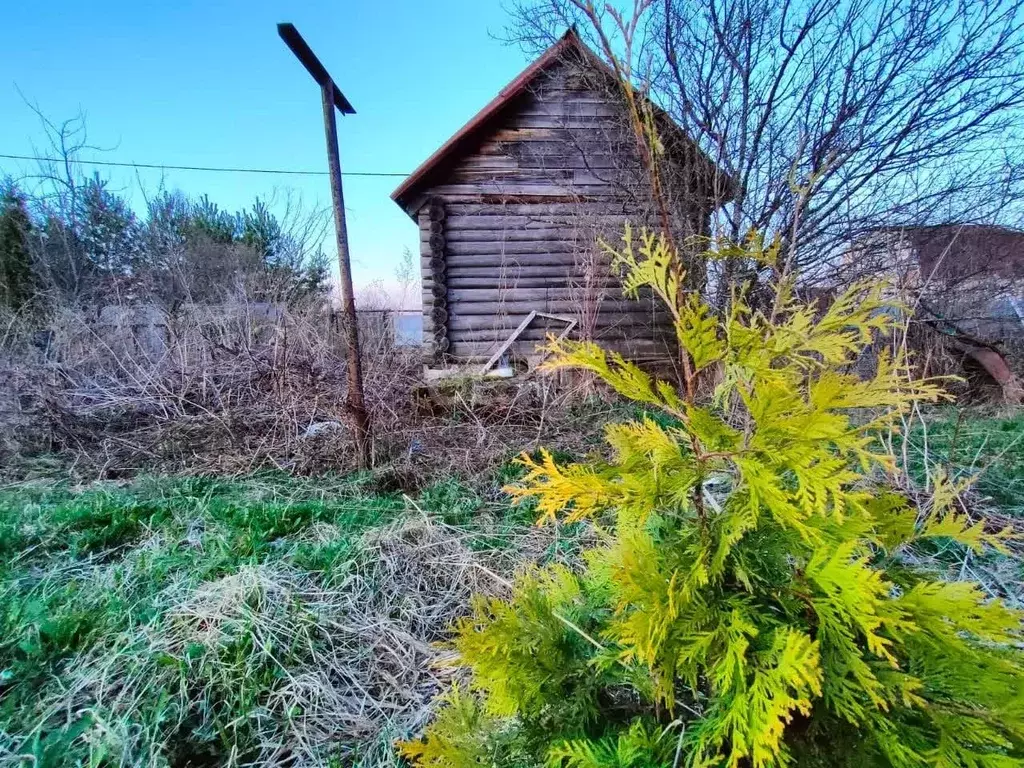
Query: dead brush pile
{"x": 225, "y": 388}
{"x": 465, "y": 427}
{"x": 240, "y": 386}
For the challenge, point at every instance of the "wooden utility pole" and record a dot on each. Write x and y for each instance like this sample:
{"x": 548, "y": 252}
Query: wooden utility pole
{"x": 333, "y": 99}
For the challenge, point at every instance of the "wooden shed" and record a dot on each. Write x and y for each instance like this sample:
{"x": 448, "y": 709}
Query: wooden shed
{"x": 511, "y": 207}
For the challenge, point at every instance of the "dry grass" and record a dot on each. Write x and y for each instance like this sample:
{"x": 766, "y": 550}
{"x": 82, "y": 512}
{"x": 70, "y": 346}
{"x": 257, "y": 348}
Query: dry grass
{"x": 305, "y": 646}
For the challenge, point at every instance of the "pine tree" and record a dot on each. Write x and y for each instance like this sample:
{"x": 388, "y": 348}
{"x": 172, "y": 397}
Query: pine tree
{"x": 108, "y": 231}
{"x": 751, "y": 603}
{"x": 17, "y": 282}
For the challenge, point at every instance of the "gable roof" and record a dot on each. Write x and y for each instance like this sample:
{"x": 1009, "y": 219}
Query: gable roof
{"x": 464, "y": 139}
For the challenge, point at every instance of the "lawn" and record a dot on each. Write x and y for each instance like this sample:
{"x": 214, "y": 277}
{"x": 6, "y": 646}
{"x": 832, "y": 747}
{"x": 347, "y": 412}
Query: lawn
{"x": 269, "y": 620}
{"x": 971, "y": 442}
{"x": 274, "y": 620}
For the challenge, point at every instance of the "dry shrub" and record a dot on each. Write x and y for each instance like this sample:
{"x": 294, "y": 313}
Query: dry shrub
{"x": 241, "y": 385}
{"x": 227, "y": 387}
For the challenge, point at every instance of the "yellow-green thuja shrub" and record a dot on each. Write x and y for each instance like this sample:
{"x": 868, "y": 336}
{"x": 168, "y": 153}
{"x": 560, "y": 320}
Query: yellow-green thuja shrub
{"x": 750, "y": 602}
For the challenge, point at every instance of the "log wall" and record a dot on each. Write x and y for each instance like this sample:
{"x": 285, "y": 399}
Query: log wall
{"x": 522, "y": 215}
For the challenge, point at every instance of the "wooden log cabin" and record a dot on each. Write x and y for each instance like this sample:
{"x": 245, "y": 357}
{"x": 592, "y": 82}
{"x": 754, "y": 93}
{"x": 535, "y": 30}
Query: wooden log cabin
{"x": 510, "y": 210}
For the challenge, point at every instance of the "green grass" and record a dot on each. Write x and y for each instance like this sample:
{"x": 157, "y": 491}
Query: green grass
{"x": 197, "y": 621}
{"x": 112, "y": 579}
{"x": 973, "y": 442}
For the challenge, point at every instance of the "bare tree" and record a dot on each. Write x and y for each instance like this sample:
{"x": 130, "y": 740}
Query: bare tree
{"x": 832, "y": 117}
{"x": 56, "y": 192}
{"x": 407, "y": 276}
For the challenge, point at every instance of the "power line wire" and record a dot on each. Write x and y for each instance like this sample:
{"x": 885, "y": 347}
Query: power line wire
{"x": 210, "y": 169}
{"x": 285, "y": 171}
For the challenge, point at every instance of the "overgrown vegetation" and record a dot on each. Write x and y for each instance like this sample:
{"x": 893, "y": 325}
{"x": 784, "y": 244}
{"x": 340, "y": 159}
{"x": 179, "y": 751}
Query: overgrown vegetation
{"x": 175, "y": 335}
{"x": 755, "y": 598}
{"x": 201, "y": 621}
{"x": 189, "y": 339}
{"x": 973, "y": 443}
{"x": 744, "y": 576}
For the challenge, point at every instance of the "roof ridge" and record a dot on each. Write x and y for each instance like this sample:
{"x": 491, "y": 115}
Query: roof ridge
{"x": 466, "y": 134}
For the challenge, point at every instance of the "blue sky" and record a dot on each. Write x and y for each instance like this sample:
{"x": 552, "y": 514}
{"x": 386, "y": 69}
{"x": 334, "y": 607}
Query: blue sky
{"x": 209, "y": 83}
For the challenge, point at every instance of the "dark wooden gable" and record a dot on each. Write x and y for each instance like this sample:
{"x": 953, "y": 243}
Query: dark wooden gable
{"x": 557, "y": 139}
{"x": 567, "y": 87}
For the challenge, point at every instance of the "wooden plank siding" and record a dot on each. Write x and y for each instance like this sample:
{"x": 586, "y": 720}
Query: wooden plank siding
{"x": 524, "y": 210}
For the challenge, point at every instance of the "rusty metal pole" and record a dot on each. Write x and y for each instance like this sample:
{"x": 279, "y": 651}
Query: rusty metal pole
{"x": 335, "y": 99}
{"x": 356, "y": 402}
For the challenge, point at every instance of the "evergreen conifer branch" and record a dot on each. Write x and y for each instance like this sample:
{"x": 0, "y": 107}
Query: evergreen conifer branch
{"x": 751, "y": 606}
